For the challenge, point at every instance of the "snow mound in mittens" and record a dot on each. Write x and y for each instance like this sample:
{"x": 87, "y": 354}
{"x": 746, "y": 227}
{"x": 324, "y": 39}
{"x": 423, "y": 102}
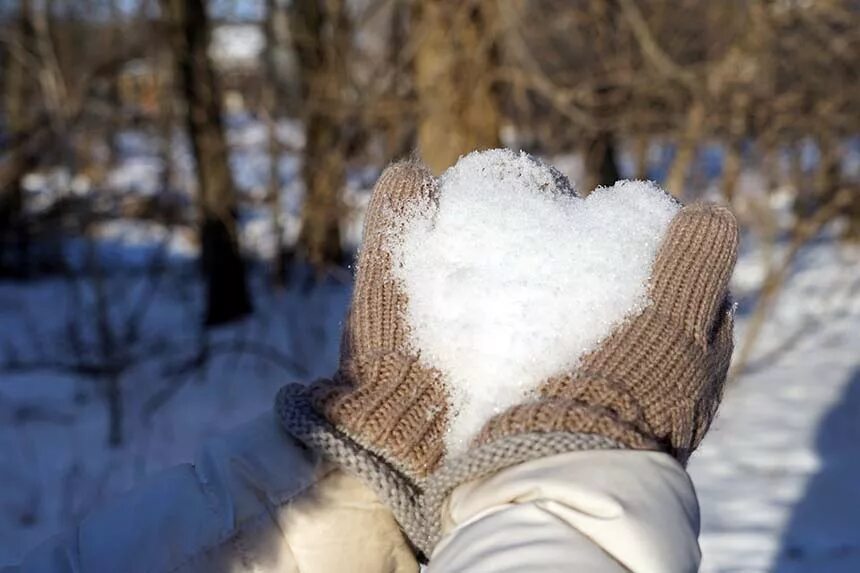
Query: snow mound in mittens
{"x": 512, "y": 278}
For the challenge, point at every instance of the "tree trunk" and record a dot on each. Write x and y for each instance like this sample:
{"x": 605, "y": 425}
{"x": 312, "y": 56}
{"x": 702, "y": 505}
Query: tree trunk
{"x": 600, "y": 165}
{"x": 601, "y": 168}
{"x": 400, "y": 128}
{"x": 686, "y": 152}
{"x": 273, "y": 95}
{"x": 279, "y": 58}
{"x": 14, "y": 238}
{"x": 223, "y": 267}
{"x": 737, "y": 131}
{"x": 641, "y": 149}
{"x": 455, "y": 63}
{"x": 321, "y": 33}
{"x": 732, "y": 165}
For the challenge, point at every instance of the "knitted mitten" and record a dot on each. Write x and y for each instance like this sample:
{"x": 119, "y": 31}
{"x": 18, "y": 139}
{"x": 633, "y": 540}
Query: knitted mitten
{"x": 655, "y": 383}
{"x": 383, "y": 414}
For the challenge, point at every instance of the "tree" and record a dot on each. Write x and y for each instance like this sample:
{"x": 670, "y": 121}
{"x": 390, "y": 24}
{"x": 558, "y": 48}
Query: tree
{"x": 321, "y": 35}
{"x": 224, "y": 270}
{"x": 455, "y": 63}
{"x": 600, "y": 165}
{"x": 275, "y": 91}
{"x": 13, "y": 233}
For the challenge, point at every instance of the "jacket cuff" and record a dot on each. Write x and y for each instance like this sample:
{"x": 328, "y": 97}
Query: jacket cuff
{"x": 639, "y": 508}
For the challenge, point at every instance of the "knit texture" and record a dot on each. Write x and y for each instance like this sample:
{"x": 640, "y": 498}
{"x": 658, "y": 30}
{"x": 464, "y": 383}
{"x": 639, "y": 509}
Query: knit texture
{"x": 657, "y": 381}
{"x": 382, "y": 397}
{"x": 417, "y": 507}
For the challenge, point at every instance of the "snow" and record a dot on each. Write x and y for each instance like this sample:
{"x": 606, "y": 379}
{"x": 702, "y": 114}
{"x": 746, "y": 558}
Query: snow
{"x": 515, "y": 277}
{"x": 180, "y": 385}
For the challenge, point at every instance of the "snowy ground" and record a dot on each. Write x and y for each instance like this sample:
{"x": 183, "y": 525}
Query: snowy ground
{"x": 56, "y": 463}
{"x": 776, "y": 476}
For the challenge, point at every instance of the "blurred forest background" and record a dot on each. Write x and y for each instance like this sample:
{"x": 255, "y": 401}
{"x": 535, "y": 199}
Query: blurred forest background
{"x": 182, "y": 185}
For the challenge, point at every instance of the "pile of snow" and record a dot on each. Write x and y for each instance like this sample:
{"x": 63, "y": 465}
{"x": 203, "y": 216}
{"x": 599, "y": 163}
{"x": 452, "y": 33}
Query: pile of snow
{"x": 514, "y": 277}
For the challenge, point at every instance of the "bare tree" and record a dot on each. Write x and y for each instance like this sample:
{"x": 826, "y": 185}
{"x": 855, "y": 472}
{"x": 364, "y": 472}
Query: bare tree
{"x": 275, "y": 93}
{"x": 321, "y": 35}
{"x": 399, "y": 128}
{"x": 601, "y": 167}
{"x": 455, "y": 64}
{"x": 188, "y": 33}
{"x": 17, "y": 88}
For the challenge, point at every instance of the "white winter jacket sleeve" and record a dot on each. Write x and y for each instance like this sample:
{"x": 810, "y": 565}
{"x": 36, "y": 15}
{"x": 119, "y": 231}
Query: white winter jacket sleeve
{"x": 255, "y": 500}
{"x": 595, "y": 512}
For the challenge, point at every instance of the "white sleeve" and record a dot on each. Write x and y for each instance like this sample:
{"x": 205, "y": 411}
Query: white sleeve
{"x": 195, "y": 516}
{"x": 255, "y": 501}
{"x": 598, "y": 511}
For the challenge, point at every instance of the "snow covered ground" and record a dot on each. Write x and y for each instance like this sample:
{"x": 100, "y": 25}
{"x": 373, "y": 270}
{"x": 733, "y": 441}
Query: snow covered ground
{"x": 777, "y": 476}
{"x": 179, "y": 387}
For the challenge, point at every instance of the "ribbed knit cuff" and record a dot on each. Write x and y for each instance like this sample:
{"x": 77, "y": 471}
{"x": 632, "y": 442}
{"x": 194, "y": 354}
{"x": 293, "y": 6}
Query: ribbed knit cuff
{"x": 398, "y": 411}
{"x": 403, "y": 497}
{"x": 561, "y": 415}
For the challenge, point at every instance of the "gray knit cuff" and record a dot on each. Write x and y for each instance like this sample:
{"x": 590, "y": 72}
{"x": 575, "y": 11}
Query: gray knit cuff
{"x": 298, "y": 417}
{"x": 417, "y": 507}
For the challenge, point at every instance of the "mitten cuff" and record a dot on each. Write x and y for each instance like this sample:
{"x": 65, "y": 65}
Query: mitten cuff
{"x": 561, "y": 415}
{"x": 299, "y": 418}
{"x": 398, "y": 411}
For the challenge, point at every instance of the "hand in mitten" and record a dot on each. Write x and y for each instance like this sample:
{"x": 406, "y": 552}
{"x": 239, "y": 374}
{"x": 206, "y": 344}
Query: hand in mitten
{"x": 656, "y": 382}
{"x": 383, "y": 414}
{"x": 653, "y": 384}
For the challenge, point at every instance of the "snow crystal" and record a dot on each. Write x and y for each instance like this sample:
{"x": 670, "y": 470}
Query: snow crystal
{"x": 515, "y": 277}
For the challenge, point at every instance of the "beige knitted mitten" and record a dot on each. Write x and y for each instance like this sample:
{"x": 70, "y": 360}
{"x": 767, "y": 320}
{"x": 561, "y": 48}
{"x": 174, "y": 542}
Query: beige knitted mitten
{"x": 383, "y": 415}
{"x": 382, "y": 397}
{"x": 657, "y": 381}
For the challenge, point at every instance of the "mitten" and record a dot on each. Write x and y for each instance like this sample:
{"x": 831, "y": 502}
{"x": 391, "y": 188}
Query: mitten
{"x": 656, "y": 382}
{"x": 383, "y": 414}
{"x": 653, "y": 384}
